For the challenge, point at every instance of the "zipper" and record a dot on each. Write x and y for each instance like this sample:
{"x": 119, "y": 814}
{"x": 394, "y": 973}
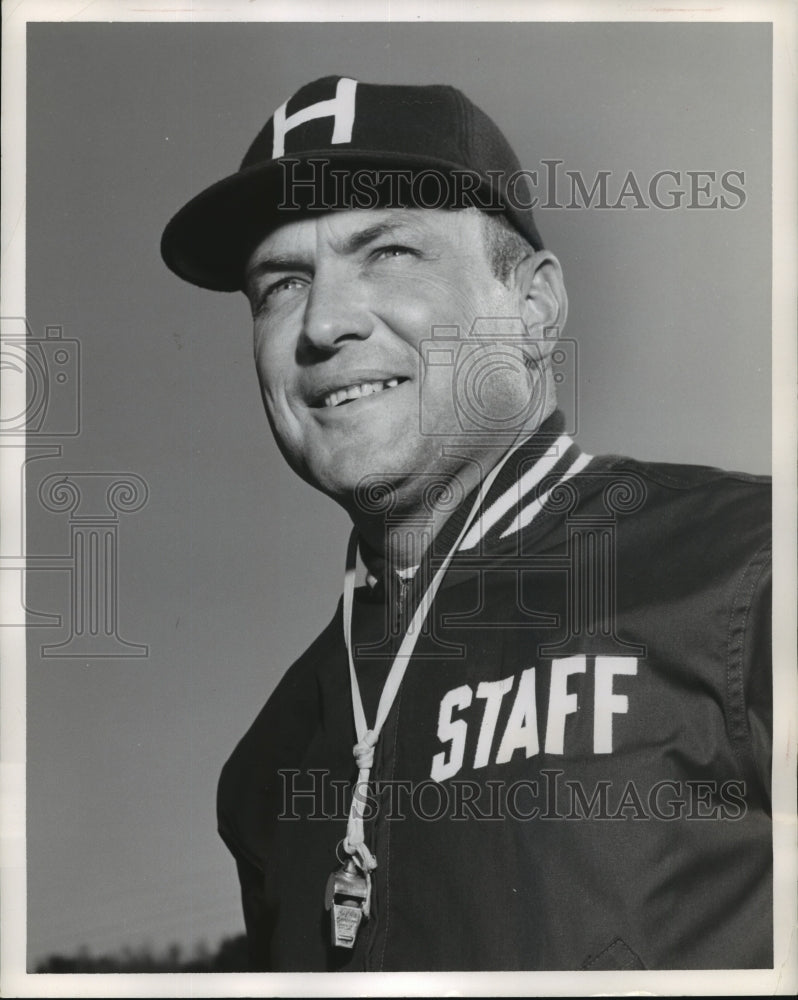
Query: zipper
{"x": 402, "y": 588}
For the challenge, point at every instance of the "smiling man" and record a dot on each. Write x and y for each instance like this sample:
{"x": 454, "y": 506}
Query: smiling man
{"x": 343, "y": 307}
{"x": 537, "y": 736}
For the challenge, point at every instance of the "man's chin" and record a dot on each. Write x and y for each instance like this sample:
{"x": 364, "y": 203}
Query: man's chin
{"x": 390, "y": 486}
{"x": 371, "y": 485}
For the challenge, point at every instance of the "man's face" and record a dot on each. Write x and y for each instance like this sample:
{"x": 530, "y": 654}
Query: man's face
{"x": 343, "y": 304}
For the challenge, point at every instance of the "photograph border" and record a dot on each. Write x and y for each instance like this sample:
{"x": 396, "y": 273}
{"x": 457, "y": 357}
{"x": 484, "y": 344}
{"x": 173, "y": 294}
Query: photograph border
{"x": 783, "y": 978}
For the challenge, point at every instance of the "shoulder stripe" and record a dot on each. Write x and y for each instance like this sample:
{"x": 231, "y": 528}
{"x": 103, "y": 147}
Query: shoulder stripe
{"x": 513, "y": 496}
{"x": 530, "y": 512}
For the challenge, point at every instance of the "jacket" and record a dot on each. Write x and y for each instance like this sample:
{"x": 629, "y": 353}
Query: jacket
{"x": 576, "y": 771}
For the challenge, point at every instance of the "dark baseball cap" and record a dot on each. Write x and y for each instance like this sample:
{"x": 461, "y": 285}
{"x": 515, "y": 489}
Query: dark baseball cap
{"x": 338, "y": 143}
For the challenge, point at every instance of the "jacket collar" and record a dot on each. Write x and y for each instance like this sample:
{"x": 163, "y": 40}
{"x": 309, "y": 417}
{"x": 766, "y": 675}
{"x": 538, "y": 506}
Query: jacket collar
{"x": 548, "y": 458}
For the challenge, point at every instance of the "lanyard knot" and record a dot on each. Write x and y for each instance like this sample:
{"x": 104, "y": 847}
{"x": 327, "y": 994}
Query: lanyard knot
{"x": 363, "y": 750}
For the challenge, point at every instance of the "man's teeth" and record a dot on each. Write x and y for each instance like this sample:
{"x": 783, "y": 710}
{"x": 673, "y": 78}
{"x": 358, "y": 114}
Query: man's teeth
{"x": 356, "y": 391}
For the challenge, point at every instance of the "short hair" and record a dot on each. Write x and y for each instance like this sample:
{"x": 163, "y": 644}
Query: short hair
{"x": 504, "y": 245}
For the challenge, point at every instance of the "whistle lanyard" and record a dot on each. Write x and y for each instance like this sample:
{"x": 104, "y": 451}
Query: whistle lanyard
{"x": 354, "y": 842}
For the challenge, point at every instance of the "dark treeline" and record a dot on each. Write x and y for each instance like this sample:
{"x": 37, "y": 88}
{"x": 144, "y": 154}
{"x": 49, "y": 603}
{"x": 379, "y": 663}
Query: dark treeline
{"x": 229, "y": 956}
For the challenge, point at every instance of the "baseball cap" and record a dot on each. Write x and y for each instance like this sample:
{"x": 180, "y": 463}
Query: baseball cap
{"x": 340, "y": 143}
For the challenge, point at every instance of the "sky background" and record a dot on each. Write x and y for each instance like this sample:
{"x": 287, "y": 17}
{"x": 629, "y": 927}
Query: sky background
{"x": 233, "y": 565}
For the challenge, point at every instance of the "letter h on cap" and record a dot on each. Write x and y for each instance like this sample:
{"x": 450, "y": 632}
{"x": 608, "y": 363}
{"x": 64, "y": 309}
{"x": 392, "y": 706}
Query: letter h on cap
{"x": 341, "y": 108}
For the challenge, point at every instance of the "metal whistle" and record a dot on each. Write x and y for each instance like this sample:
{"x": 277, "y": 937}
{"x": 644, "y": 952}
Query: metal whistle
{"x": 348, "y": 896}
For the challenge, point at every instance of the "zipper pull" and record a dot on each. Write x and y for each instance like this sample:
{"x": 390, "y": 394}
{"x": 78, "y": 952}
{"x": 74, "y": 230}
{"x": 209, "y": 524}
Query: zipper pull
{"x": 400, "y": 604}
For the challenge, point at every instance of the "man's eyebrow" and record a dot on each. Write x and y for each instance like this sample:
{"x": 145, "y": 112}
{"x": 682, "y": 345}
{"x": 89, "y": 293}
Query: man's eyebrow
{"x": 357, "y": 241}
{"x": 275, "y": 262}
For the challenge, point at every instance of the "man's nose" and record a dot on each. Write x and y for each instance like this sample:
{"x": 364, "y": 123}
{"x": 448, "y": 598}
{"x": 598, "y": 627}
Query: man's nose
{"x": 335, "y": 313}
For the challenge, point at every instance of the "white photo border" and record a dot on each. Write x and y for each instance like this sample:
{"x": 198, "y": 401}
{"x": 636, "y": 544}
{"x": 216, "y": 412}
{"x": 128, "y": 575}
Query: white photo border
{"x": 782, "y": 978}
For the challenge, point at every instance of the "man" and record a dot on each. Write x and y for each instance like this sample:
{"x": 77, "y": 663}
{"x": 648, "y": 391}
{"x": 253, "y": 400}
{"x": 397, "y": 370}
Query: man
{"x": 556, "y": 676}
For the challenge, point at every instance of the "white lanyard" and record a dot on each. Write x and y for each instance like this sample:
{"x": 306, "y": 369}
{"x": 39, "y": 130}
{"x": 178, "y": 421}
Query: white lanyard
{"x": 354, "y": 843}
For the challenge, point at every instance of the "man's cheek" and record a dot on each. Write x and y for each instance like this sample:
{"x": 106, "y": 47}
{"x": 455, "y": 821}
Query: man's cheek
{"x": 449, "y": 299}
{"x": 414, "y": 309}
{"x": 286, "y": 425}
{"x": 437, "y": 399}
{"x": 266, "y": 393}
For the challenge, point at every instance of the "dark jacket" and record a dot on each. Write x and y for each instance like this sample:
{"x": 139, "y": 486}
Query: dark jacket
{"x": 576, "y": 771}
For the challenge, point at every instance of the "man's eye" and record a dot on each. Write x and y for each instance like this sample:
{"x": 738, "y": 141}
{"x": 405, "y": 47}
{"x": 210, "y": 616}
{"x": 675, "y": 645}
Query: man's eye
{"x": 267, "y": 295}
{"x": 283, "y": 285}
{"x": 395, "y": 250}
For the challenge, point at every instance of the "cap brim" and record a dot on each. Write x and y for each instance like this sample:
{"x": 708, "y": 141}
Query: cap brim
{"x": 210, "y": 239}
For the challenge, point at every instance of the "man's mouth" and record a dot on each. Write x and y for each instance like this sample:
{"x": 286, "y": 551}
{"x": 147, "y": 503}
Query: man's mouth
{"x": 357, "y": 390}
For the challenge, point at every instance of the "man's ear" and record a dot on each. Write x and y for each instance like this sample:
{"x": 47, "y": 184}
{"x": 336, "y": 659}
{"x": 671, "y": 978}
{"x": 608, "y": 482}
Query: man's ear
{"x": 542, "y": 297}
